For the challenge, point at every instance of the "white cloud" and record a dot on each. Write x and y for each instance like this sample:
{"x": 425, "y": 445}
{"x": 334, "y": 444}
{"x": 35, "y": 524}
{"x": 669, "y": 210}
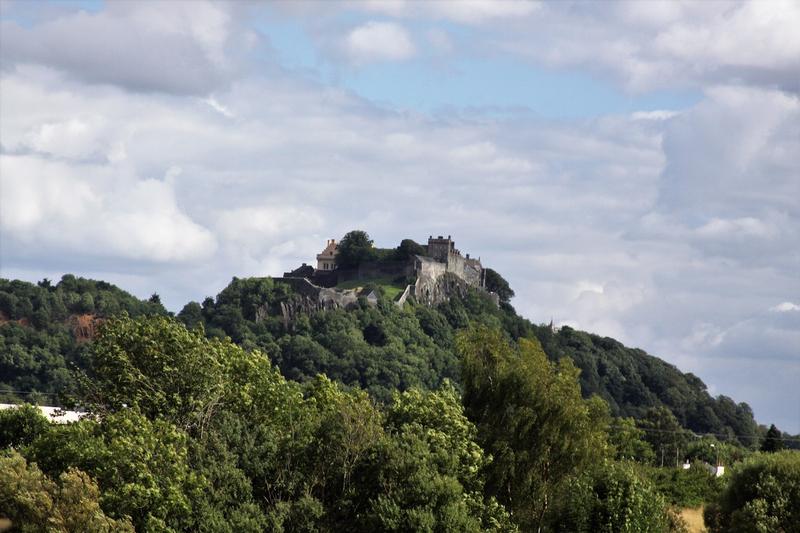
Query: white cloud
{"x": 745, "y": 226}
{"x": 477, "y": 11}
{"x": 378, "y": 41}
{"x": 650, "y": 45}
{"x": 661, "y": 114}
{"x": 785, "y": 307}
{"x": 462, "y": 11}
{"x": 55, "y": 207}
{"x": 177, "y": 47}
{"x": 224, "y": 111}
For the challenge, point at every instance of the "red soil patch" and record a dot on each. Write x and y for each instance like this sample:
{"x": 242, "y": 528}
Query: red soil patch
{"x": 84, "y": 327}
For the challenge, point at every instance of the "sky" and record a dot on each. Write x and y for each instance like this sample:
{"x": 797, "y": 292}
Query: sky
{"x": 631, "y": 168}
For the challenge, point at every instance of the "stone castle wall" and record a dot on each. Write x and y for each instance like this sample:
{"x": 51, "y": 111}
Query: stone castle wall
{"x": 310, "y": 298}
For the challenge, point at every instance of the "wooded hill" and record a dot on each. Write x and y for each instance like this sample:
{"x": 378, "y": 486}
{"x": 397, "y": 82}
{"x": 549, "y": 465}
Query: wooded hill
{"x": 459, "y": 418}
{"x": 45, "y": 329}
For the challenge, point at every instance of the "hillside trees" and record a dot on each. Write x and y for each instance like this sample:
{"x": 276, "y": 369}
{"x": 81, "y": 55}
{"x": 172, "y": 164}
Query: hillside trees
{"x": 198, "y": 434}
{"x": 42, "y": 331}
{"x": 531, "y": 418}
{"x": 665, "y": 434}
{"x": 420, "y": 347}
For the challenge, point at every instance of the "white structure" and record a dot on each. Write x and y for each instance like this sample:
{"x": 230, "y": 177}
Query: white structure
{"x": 326, "y": 259}
{"x": 56, "y": 415}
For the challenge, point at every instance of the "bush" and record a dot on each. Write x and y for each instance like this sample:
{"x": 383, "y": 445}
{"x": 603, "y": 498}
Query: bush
{"x": 763, "y": 495}
{"x": 613, "y": 498}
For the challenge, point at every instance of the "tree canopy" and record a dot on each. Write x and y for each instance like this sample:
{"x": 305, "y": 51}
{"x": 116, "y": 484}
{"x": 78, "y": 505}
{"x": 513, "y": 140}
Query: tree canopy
{"x": 459, "y": 417}
{"x": 763, "y": 494}
{"x": 496, "y": 283}
{"x": 355, "y": 248}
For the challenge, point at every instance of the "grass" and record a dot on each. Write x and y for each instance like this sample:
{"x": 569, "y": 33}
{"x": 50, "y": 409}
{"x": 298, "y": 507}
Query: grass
{"x": 694, "y": 519}
{"x": 391, "y": 289}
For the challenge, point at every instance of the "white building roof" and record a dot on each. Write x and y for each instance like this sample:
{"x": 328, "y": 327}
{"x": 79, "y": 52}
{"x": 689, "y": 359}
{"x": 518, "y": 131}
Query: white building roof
{"x": 53, "y": 414}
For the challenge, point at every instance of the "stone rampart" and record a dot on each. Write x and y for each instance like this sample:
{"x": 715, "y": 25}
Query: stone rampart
{"x": 403, "y": 297}
{"x": 309, "y": 298}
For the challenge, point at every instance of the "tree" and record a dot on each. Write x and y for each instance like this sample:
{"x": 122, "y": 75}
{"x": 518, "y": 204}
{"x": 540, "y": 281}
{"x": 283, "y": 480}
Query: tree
{"x": 610, "y": 498}
{"x": 33, "y": 502}
{"x": 427, "y": 473}
{"x": 531, "y": 418}
{"x": 140, "y": 466}
{"x": 664, "y": 433}
{"x": 86, "y": 303}
{"x": 354, "y": 249}
{"x": 494, "y": 282}
{"x": 191, "y": 315}
{"x": 159, "y": 367}
{"x": 773, "y": 442}
{"x": 629, "y": 441}
{"x": 21, "y": 425}
{"x": 763, "y": 494}
{"x": 408, "y": 248}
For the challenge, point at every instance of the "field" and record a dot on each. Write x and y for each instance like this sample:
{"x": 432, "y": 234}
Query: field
{"x": 694, "y": 519}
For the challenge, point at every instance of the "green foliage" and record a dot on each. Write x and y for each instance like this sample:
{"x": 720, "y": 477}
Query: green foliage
{"x": 269, "y": 455}
{"x": 20, "y": 426}
{"x": 428, "y": 471}
{"x": 712, "y": 451}
{"x": 686, "y": 488}
{"x": 664, "y": 433}
{"x": 632, "y": 382}
{"x": 197, "y": 430}
{"x": 629, "y": 442}
{"x": 763, "y": 495}
{"x": 773, "y": 441}
{"x": 531, "y": 418}
{"x": 34, "y": 503}
{"x": 158, "y": 367}
{"x": 610, "y": 498}
{"x": 494, "y": 282}
{"x": 355, "y": 248}
{"x": 38, "y": 346}
{"x": 407, "y": 249}
{"x": 140, "y": 465}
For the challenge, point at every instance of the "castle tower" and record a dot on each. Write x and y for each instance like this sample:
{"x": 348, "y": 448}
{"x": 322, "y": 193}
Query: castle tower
{"x": 440, "y": 248}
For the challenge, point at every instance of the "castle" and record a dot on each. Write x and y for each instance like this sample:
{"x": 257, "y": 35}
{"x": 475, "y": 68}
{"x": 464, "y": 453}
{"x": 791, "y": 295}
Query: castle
{"x": 444, "y": 251}
{"x": 436, "y": 275}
